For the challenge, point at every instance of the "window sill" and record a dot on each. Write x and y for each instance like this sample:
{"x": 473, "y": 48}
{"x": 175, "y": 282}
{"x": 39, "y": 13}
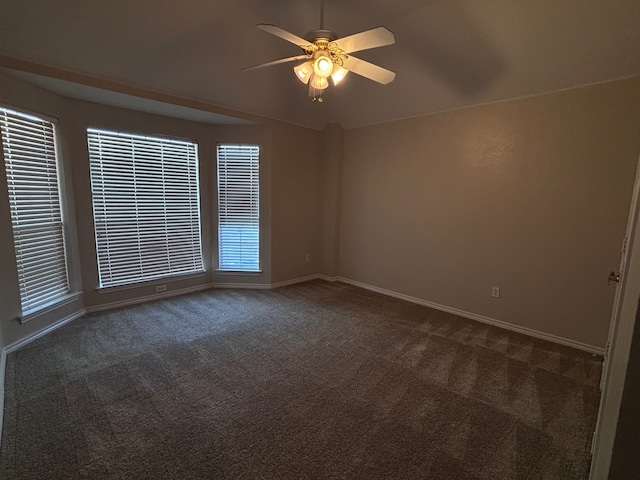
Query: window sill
{"x": 150, "y": 283}
{"x": 256, "y": 273}
{"x": 48, "y": 307}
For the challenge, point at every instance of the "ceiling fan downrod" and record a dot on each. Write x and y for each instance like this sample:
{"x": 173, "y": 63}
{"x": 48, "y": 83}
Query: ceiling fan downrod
{"x": 321, "y": 34}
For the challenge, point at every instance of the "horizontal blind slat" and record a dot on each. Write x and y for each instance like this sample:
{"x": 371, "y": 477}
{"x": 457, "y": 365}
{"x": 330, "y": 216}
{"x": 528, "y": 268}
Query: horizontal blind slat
{"x": 34, "y": 198}
{"x": 238, "y": 207}
{"x": 146, "y": 206}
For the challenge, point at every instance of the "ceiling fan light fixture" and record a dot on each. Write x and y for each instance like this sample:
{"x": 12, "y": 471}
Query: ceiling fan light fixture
{"x": 338, "y": 74}
{"x": 303, "y": 72}
{"x": 327, "y": 55}
{"x": 322, "y": 65}
{"x": 319, "y": 83}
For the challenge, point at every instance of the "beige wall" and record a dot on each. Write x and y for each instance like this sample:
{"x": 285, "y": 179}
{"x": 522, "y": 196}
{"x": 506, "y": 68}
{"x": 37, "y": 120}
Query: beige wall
{"x": 530, "y": 195}
{"x": 332, "y": 158}
{"x": 289, "y": 161}
{"x": 295, "y": 202}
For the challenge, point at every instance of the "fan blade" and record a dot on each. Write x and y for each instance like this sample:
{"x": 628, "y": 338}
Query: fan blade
{"x": 368, "y": 70}
{"x": 376, "y": 37}
{"x": 276, "y": 62}
{"x": 289, "y": 37}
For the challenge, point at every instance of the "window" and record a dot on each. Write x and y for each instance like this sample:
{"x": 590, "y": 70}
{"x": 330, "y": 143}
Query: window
{"x": 238, "y": 208}
{"x": 29, "y": 148}
{"x": 145, "y": 207}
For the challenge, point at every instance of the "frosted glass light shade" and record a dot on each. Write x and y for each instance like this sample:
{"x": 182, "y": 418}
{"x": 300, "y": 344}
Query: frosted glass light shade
{"x": 338, "y": 74}
{"x": 303, "y": 72}
{"x": 322, "y": 66}
{"x": 319, "y": 83}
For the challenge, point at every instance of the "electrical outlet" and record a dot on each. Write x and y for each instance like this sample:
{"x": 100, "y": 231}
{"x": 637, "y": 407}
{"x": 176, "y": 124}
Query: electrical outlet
{"x": 306, "y": 258}
{"x": 495, "y": 292}
{"x": 161, "y": 288}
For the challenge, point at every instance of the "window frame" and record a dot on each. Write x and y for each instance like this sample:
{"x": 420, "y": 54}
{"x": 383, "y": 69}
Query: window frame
{"x": 49, "y": 171}
{"x": 255, "y": 159}
{"x": 193, "y": 202}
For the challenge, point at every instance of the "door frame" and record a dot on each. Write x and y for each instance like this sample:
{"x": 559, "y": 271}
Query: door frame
{"x": 623, "y": 319}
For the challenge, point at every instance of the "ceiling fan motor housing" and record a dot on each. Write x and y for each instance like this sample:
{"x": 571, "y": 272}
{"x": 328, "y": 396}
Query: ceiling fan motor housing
{"x": 316, "y": 35}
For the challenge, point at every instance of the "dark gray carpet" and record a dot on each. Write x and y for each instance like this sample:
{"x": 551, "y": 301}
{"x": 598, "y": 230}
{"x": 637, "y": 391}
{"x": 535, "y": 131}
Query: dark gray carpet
{"x": 316, "y": 380}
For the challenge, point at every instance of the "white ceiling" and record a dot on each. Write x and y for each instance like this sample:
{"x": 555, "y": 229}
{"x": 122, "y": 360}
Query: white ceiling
{"x": 448, "y": 53}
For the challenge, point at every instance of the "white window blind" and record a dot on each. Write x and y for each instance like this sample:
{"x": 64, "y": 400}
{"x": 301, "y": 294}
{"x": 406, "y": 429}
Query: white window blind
{"x": 28, "y": 144}
{"x": 146, "y": 207}
{"x": 238, "y": 208}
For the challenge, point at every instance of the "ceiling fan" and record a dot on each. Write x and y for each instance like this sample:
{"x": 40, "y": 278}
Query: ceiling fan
{"x": 327, "y": 56}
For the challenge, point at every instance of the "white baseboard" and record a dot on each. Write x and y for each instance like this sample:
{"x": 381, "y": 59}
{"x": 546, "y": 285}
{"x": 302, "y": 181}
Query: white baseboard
{"x": 480, "y": 318}
{"x": 298, "y": 280}
{"x": 251, "y": 286}
{"x": 293, "y": 281}
{"x": 328, "y": 278}
{"x": 269, "y": 286}
{"x": 30, "y": 338}
{"x": 146, "y": 298}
